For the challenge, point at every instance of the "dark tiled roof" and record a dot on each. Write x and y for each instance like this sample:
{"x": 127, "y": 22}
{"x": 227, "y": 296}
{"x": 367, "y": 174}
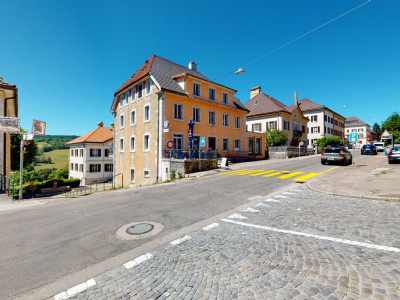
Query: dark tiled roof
{"x": 98, "y": 135}
{"x": 239, "y": 104}
{"x": 306, "y": 104}
{"x": 354, "y": 121}
{"x": 6, "y": 84}
{"x": 292, "y": 107}
{"x": 264, "y": 104}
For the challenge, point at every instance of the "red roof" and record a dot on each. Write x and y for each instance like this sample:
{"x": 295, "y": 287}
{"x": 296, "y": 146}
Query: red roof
{"x": 98, "y": 135}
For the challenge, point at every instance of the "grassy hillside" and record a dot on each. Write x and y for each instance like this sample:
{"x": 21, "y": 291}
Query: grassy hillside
{"x": 58, "y": 157}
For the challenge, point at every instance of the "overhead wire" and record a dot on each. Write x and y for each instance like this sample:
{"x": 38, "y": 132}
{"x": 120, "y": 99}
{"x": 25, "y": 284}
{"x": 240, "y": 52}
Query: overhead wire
{"x": 297, "y": 38}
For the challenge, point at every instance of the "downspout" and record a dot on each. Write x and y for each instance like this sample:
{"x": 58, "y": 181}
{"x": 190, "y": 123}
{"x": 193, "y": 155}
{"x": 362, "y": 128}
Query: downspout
{"x": 160, "y": 93}
{"x": 114, "y": 151}
{"x": 5, "y": 134}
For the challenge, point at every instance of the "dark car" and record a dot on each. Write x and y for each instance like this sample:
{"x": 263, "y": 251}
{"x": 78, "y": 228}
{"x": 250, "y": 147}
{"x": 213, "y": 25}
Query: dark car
{"x": 394, "y": 155}
{"x": 368, "y": 149}
{"x": 336, "y": 155}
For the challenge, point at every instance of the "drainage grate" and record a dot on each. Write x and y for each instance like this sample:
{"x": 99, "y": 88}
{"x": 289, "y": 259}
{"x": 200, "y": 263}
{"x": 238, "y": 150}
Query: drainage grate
{"x": 300, "y": 182}
{"x": 140, "y": 228}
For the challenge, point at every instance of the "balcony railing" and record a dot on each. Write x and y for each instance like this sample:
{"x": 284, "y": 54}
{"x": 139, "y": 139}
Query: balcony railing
{"x": 208, "y": 154}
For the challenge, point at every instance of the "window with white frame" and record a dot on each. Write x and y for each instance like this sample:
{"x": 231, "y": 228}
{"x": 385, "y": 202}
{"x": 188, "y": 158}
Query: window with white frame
{"x": 72, "y": 166}
{"x": 94, "y": 168}
{"x": 76, "y": 152}
{"x": 95, "y": 152}
{"x": 147, "y": 113}
{"x": 257, "y": 127}
{"x": 211, "y": 117}
{"x": 121, "y": 145}
{"x": 315, "y": 129}
{"x": 196, "y": 89}
{"x": 146, "y": 173}
{"x": 133, "y": 117}
{"x": 286, "y": 125}
{"x": 178, "y": 111}
{"x": 133, "y": 144}
{"x": 146, "y": 143}
{"x": 177, "y": 138}
{"x": 225, "y": 98}
{"x": 211, "y": 93}
{"x": 81, "y": 152}
{"x": 76, "y": 167}
{"x": 148, "y": 87}
{"x": 237, "y": 144}
{"x": 133, "y": 94}
{"x": 72, "y": 152}
{"x": 225, "y": 144}
{"x": 225, "y": 120}
{"x": 132, "y": 175}
{"x": 121, "y": 101}
{"x": 121, "y": 121}
{"x": 81, "y": 168}
{"x": 140, "y": 91}
{"x": 196, "y": 114}
{"x": 127, "y": 96}
{"x": 237, "y": 122}
{"x": 271, "y": 125}
{"x": 108, "y": 167}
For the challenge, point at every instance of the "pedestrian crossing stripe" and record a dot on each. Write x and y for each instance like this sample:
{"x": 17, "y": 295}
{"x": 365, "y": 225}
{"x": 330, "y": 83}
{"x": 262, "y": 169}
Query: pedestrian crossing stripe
{"x": 302, "y": 178}
{"x": 240, "y": 172}
{"x": 290, "y": 175}
{"x": 277, "y": 173}
{"x": 265, "y": 172}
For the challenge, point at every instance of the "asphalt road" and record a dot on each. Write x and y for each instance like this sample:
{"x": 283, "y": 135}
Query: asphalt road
{"x": 62, "y": 240}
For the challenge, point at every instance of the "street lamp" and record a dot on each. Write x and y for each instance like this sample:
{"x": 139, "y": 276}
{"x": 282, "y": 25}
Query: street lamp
{"x": 240, "y": 71}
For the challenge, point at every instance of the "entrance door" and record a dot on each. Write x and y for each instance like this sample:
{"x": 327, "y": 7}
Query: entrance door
{"x": 196, "y": 142}
{"x": 212, "y": 143}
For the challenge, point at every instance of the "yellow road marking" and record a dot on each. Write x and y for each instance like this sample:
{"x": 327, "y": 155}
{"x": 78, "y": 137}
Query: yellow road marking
{"x": 262, "y": 173}
{"x": 248, "y": 172}
{"x": 277, "y": 173}
{"x": 329, "y": 170}
{"x": 301, "y": 178}
{"x": 290, "y": 175}
{"x": 240, "y": 172}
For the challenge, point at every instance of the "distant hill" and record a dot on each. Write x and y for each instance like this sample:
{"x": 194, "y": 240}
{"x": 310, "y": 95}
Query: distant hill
{"x": 54, "y": 142}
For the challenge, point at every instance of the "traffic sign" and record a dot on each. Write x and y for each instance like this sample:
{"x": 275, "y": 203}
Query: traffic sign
{"x": 386, "y": 135}
{"x": 301, "y": 143}
{"x": 26, "y": 143}
{"x": 202, "y": 141}
{"x": 353, "y": 137}
{"x": 170, "y": 144}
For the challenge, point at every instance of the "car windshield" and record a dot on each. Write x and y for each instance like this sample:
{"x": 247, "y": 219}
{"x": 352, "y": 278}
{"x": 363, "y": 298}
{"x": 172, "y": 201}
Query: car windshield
{"x": 395, "y": 149}
{"x": 332, "y": 150}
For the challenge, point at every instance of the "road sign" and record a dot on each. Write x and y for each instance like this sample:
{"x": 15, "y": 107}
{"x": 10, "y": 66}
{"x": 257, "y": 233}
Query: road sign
{"x": 386, "y": 135}
{"x": 202, "y": 141}
{"x": 353, "y": 137}
{"x": 301, "y": 143}
{"x": 170, "y": 144}
{"x": 26, "y": 143}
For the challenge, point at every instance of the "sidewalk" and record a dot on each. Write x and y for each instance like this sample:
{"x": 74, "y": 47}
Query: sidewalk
{"x": 371, "y": 178}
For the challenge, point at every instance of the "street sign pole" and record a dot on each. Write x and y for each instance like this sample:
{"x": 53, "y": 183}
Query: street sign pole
{"x": 21, "y": 166}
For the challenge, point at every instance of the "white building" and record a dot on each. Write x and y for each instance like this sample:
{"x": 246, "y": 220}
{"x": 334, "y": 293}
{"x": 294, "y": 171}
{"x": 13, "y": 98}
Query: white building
{"x": 355, "y": 125}
{"x": 323, "y": 121}
{"x": 89, "y": 155}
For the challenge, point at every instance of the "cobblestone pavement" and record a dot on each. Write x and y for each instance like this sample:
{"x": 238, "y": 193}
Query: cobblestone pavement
{"x": 296, "y": 245}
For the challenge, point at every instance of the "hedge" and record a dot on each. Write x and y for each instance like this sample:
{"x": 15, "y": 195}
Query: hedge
{"x": 72, "y": 182}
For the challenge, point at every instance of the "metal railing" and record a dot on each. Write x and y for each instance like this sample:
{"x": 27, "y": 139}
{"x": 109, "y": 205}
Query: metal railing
{"x": 192, "y": 154}
{"x": 7, "y": 184}
{"x": 95, "y": 186}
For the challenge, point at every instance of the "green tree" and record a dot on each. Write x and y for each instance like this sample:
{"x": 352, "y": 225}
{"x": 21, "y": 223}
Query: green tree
{"x": 376, "y": 128}
{"x": 392, "y": 124}
{"x": 328, "y": 141}
{"x": 275, "y": 137}
{"x": 29, "y": 155}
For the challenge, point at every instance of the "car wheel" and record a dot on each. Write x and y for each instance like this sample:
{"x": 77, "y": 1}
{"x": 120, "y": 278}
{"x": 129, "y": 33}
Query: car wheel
{"x": 390, "y": 162}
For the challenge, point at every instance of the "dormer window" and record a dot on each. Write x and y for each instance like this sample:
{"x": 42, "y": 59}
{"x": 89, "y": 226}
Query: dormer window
{"x": 196, "y": 89}
{"x": 255, "y": 103}
{"x": 211, "y": 93}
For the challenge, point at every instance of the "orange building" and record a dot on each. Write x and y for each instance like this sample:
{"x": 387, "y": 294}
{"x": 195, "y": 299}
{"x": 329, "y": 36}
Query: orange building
{"x": 154, "y": 107}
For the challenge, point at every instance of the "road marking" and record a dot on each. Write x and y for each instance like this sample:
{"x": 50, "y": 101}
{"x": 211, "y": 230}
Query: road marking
{"x": 249, "y": 209}
{"x": 262, "y": 173}
{"x": 271, "y": 200}
{"x": 181, "y": 240}
{"x": 211, "y": 226}
{"x": 240, "y": 172}
{"x": 301, "y": 178}
{"x": 281, "y": 196}
{"x": 276, "y": 173}
{"x": 137, "y": 260}
{"x": 262, "y": 204}
{"x": 288, "y": 193}
{"x": 290, "y": 175}
{"x": 75, "y": 290}
{"x": 319, "y": 237}
{"x": 328, "y": 170}
{"x": 237, "y": 216}
{"x": 295, "y": 190}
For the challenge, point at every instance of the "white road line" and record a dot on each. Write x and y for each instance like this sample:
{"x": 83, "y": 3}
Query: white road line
{"x": 75, "y": 290}
{"x": 249, "y": 209}
{"x": 262, "y": 204}
{"x": 288, "y": 193}
{"x": 181, "y": 240}
{"x": 211, "y": 226}
{"x": 281, "y": 196}
{"x": 271, "y": 200}
{"x": 295, "y": 190}
{"x": 137, "y": 260}
{"x": 237, "y": 216}
{"x": 315, "y": 236}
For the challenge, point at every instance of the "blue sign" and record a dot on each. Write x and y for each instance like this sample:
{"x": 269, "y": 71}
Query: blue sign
{"x": 190, "y": 133}
{"x": 202, "y": 142}
{"x": 353, "y": 137}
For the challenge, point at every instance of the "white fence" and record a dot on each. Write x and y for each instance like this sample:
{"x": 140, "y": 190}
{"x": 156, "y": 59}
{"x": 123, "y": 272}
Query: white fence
{"x": 288, "y": 151}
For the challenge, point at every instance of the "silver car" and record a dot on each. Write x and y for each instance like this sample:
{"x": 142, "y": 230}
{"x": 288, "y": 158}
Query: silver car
{"x": 394, "y": 155}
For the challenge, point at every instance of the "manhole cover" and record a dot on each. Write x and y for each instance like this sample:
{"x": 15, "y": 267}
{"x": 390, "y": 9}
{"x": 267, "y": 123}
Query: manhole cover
{"x": 139, "y": 228}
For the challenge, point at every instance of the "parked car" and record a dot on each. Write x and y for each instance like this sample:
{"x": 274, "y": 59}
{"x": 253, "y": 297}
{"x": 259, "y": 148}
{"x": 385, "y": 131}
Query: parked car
{"x": 380, "y": 146}
{"x": 394, "y": 155}
{"x": 368, "y": 149}
{"x": 336, "y": 155}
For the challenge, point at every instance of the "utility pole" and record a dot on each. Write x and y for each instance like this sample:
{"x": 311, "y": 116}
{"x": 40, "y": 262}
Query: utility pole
{"x": 21, "y": 166}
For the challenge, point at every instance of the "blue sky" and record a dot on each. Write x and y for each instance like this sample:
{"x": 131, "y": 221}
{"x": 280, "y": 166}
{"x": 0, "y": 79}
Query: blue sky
{"x": 67, "y": 58}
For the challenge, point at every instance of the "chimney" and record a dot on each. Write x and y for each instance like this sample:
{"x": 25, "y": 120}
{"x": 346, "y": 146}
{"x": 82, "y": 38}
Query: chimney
{"x": 100, "y": 124}
{"x": 193, "y": 66}
{"x": 295, "y": 98}
{"x": 112, "y": 125}
{"x": 255, "y": 91}
{"x": 1, "y": 78}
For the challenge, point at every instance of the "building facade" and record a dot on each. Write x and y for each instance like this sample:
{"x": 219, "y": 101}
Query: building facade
{"x": 323, "y": 121}
{"x": 90, "y": 156}
{"x": 363, "y": 130}
{"x": 8, "y": 108}
{"x": 265, "y": 112}
{"x": 154, "y": 107}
